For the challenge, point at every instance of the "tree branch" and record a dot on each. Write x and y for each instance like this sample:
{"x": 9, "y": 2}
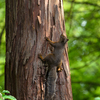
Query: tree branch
{"x": 2, "y": 63}
{"x": 85, "y": 64}
{"x": 89, "y": 83}
{"x": 88, "y": 3}
{"x": 85, "y": 11}
{"x": 70, "y": 16}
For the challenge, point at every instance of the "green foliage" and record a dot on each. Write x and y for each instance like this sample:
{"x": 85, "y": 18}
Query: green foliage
{"x": 83, "y": 30}
{"x": 3, "y": 95}
{"x": 2, "y": 41}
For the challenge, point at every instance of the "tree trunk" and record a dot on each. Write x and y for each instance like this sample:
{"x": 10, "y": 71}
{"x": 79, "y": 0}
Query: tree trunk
{"x": 28, "y": 22}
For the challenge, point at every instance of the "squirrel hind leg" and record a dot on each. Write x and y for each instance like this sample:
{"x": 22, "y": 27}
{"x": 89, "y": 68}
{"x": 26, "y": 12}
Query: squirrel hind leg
{"x": 59, "y": 68}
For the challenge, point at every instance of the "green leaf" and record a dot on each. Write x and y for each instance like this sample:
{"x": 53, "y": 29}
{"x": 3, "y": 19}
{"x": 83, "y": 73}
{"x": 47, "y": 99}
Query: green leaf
{"x": 9, "y": 97}
{"x": 1, "y": 96}
{"x": 97, "y": 98}
{"x": 5, "y": 91}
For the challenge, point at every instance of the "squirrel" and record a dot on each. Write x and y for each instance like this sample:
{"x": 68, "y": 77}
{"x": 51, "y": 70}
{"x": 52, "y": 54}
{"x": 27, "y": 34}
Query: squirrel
{"x": 55, "y": 57}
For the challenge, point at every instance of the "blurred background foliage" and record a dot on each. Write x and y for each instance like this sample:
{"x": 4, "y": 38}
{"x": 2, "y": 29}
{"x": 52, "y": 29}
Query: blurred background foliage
{"x": 82, "y": 21}
{"x": 2, "y": 42}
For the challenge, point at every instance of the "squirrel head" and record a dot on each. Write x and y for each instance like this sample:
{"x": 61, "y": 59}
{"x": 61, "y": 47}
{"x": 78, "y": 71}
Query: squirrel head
{"x": 63, "y": 39}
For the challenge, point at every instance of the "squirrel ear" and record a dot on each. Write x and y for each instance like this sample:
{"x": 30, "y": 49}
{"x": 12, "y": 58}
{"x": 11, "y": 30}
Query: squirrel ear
{"x": 61, "y": 35}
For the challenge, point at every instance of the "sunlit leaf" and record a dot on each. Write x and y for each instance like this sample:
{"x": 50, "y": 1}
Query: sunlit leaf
{"x": 5, "y": 91}
{"x": 9, "y": 97}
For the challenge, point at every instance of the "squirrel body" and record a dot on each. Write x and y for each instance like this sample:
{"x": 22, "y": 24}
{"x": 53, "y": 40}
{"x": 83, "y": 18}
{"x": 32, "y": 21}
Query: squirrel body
{"x": 55, "y": 58}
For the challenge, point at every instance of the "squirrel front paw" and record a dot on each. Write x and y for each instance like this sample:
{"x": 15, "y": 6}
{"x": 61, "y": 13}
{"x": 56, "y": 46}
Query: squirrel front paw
{"x": 40, "y": 56}
{"x": 46, "y": 38}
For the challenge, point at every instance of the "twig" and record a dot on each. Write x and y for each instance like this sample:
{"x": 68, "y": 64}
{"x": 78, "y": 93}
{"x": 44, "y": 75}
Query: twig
{"x": 89, "y": 83}
{"x": 85, "y": 11}
{"x": 2, "y": 33}
{"x": 88, "y": 3}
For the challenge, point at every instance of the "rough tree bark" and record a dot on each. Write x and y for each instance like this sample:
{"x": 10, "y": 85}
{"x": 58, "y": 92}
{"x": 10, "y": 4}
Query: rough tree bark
{"x": 28, "y": 22}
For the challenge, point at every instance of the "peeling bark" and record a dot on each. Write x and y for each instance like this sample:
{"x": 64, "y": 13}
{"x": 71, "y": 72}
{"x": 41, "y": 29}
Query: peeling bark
{"x": 28, "y": 22}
